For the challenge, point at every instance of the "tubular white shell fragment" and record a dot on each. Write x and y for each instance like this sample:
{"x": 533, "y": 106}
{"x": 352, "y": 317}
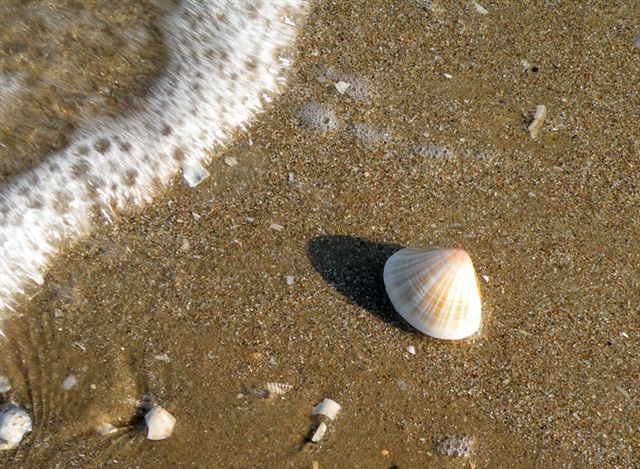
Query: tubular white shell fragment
{"x": 435, "y": 290}
{"x": 328, "y": 407}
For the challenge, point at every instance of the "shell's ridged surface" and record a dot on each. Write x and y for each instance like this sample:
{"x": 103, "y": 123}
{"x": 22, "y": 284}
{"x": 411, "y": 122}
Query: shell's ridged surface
{"x": 435, "y": 290}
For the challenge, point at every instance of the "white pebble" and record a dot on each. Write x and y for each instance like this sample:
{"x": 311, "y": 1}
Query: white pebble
{"x": 15, "y": 423}
{"x": 160, "y": 423}
{"x": 342, "y": 86}
{"x": 194, "y": 174}
{"x": 479, "y": 8}
{"x": 69, "y": 382}
{"x": 411, "y": 349}
{"x": 289, "y": 279}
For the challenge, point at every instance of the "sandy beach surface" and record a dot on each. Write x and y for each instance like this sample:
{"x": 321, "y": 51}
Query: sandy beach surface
{"x": 185, "y": 303}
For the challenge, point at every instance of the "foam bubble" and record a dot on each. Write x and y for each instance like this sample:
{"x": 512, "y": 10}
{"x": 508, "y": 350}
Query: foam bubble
{"x": 224, "y": 57}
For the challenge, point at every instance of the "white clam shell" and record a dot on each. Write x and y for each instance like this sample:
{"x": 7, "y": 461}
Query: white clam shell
{"x": 435, "y": 290}
{"x": 15, "y": 423}
{"x": 160, "y": 423}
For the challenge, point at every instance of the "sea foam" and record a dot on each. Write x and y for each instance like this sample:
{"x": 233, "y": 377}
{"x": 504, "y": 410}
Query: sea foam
{"x": 225, "y": 59}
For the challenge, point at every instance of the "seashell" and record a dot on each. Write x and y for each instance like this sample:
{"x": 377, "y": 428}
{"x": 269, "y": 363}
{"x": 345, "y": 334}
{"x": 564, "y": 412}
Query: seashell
{"x": 105, "y": 428}
{"x": 15, "y": 423}
{"x": 319, "y": 433}
{"x": 277, "y": 389}
{"x": 328, "y": 407}
{"x": 160, "y": 423}
{"x": 435, "y": 290}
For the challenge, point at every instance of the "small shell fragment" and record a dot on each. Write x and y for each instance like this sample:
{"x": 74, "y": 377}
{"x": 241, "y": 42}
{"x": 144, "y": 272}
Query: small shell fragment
{"x": 276, "y": 227}
{"x": 194, "y": 174}
{"x": 160, "y": 423}
{"x": 289, "y": 279}
{"x": 69, "y": 382}
{"x": 230, "y": 161}
{"x": 411, "y": 349}
{"x": 328, "y": 407}
{"x": 319, "y": 433}
{"x": 4, "y": 384}
{"x": 277, "y": 389}
{"x": 538, "y": 120}
{"x": 15, "y": 423}
{"x": 105, "y": 428}
{"x": 479, "y": 8}
{"x": 342, "y": 86}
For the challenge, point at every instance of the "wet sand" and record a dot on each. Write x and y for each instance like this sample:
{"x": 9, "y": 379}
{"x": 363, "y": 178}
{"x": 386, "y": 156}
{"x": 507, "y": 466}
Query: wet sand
{"x": 185, "y": 302}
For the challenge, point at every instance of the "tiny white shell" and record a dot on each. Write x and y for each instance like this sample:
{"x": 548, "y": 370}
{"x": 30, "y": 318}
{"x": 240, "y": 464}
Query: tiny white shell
{"x": 435, "y": 290}
{"x": 160, "y": 423}
{"x": 319, "y": 433}
{"x": 328, "y": 407}
{"x": 105, "y": 428}
{"x": 15, "y": 423}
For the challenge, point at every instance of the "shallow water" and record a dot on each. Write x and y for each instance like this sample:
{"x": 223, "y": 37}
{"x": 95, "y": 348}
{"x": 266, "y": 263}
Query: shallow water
{"x": 200, "y": 326}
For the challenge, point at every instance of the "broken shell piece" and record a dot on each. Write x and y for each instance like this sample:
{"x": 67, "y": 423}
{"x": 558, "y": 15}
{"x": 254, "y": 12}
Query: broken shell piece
{"x": 4, "y": 384}
{"x": 342, "y": 86}
{"x": 15, "y": 423}
{"x": 289, "y": 279}
{"x": 479, "y": 8}
{"x": 230, "y": 161}
{"x": 538, "y": 120}
{"x": 411, "y": 349}
{"x": 435, "y": 290}
{"x": 160, "y": 423}
{"x": 194, "y": 174}
{"x": 277, "y": 389}
{"x": 105, "y": 428}
{"x": 319, "y": 433}
{"x": 328, "y": 407}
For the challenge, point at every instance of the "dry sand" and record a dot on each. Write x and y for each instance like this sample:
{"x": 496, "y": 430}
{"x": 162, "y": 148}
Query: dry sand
{"x": 185, "y": 302}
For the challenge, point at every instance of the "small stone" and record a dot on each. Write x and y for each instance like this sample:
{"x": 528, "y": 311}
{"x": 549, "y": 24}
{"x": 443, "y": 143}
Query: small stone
{"x": 160, "y": 423}
{"x": 230, "y": 161}
{"x": 185, "y": 245}
{"x": 15, "y": 423}
{"x": 636, "y": 41}
{"x": 249, "y": 219}
{"x": 479, "y": 8}
{"x": 342, "y": 86}
{"x": 291, "y": 178}
{"x": 194, "y": 174}
{"x": 239, "y": 395}
{"x": 411, "y": 349}
{"x": 69, "y": 382}
{"x": 276, "y": 226}
{"x": 289, "y": 279}
{"x": 105, "y": 428}
{"x": 4, "y": 384}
